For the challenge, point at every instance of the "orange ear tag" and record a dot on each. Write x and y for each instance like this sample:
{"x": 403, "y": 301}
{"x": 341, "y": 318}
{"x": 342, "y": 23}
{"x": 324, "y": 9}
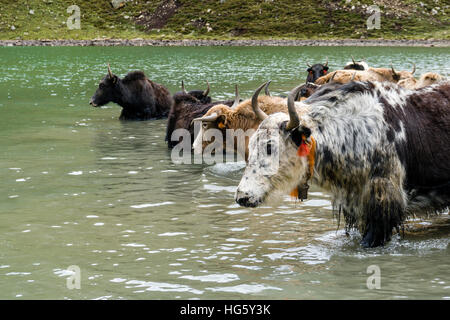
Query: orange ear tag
{"x": 221, "y": 125}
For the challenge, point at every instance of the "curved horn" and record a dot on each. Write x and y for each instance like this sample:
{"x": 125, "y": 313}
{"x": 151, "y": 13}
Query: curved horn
{"x": 353, "y": 59}
{"x": 393, "y": 71}
{"x": 236, "y": 98}
{"x": 182, "y": 87}
{"x": 294, "y": 121}
{"x": 266, "y": 89}
{"x": 353, "y": 77}
{"x": 109, "y": 71}
{"x": 326, "y": 63}
{"x": 309, "y": 66}
{"x": 212, "y": 117}
{"x": 259, "y": 113}
{"x": 414, "y": 68}
{"x": 205, "y": 93}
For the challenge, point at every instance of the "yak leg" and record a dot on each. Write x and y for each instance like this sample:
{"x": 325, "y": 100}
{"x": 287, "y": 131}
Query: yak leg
{"x": 383, "y": 210}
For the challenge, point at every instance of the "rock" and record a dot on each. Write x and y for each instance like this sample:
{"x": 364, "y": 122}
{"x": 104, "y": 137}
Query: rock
{"x": 13, "y": 28}
{"x": 31, "y": 11}
{"x": 117, "y": 4}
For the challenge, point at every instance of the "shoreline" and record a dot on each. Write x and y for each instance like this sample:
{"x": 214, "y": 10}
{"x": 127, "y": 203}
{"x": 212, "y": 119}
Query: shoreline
{"x": 243, "y": 43}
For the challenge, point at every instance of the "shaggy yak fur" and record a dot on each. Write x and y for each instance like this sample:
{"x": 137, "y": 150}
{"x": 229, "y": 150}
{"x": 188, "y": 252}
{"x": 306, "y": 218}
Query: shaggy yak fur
{"x": 139, "y": 97}
{"x": 382, "y": 151}
{"x": 426, "y": 79}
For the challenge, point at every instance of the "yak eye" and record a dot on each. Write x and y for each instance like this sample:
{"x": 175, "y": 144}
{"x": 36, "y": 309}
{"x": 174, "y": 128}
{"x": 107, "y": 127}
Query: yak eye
{"x": 269, "y": 148}
{"x": 204, "y": 125}
{"x": 101, "y": 85}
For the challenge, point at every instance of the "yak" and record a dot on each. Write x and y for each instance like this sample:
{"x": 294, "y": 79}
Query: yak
{"x": 240, "y": 117}
{"x": 356, "y": 65}
{"x": 316, "y": 71}
{"x": 188, "y": 106}
{"x": 200, "y": 95}
{"x": 425, "y": 79}
{"x": 382, "y": 151}
{"x": 371, "y": 74}
{"x": 139, "y": 97}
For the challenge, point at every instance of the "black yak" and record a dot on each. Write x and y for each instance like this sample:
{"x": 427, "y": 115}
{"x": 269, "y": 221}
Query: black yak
{"x": 139, "y": 97}
{"x": 316, "y": 71}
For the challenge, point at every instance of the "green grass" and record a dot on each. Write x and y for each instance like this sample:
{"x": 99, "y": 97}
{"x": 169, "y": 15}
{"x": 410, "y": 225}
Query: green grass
{"x": 233, "y": 19}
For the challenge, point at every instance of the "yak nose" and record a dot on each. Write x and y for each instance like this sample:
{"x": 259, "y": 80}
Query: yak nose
{"x": 91, "y": 102}
{"x": 243, "y": 199}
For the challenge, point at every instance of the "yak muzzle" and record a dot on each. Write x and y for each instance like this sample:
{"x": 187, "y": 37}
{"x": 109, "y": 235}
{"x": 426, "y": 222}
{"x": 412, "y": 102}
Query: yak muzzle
{"x": 92, "y": 103}
{"x": 245, "y": 200}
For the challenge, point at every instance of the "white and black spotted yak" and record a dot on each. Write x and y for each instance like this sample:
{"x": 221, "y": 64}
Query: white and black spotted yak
{"x": 382, "y": 151}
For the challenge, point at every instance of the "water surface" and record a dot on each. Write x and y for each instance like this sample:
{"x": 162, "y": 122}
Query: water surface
{"x": 78, "y": 187}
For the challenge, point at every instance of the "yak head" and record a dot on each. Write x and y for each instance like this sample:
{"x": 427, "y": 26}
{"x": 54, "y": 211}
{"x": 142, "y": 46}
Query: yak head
{"x": 399, "y": 75}
{"x": 427, "y": 79}
{"x": 274, "y": 167}
{"x": 200, "y": 95}
{"x": 316, "y": 71}
{"x": 233, "y": 125}
{"x": 107, "y": 90}
{"x": 217, "y": 118}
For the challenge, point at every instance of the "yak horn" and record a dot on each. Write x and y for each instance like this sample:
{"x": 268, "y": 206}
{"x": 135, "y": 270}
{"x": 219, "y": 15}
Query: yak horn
{"x": 414, "y": 68}
{"x": 353, "y": 77}
{"x": 109, "y": 71}
{"x": 326, "y": 63}
{"x": 182, "y": 87}
{"x": 294, "y": 121}
{"x": 205, "y": 93}
{"x": 332, "y": 77}
{"x": 236, "y": 97}
{"x": 210, "y": 118}
{"x": 353, "y": 59}
{"x": 266, "y": 89}
{"x": 309, "y": 66}
{"x": 393, "y": 71}
{"x": 259, "y": 113}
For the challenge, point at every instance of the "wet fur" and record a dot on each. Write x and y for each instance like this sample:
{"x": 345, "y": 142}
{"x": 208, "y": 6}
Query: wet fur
{"x": 382, "y": 151}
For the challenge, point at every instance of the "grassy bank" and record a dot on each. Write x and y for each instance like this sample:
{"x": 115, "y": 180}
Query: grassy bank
{"x": 226, "y": 19}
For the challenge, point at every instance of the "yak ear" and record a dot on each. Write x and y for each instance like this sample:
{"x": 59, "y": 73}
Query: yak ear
{"x": 325, "y": 68}
{"x": 298, "y": 133}
{"x": 221, "y": 121}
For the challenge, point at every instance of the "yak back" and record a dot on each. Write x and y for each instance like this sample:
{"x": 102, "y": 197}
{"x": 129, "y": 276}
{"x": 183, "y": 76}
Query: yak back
{"x": 424, "y": 119}
{"x": 139, "y": 92}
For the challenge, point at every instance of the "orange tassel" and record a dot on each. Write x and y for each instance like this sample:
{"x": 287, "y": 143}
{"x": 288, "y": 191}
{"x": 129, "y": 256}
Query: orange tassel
{"x": 303, "y": 150}
{"x": 294, "y": 193}
{"x": 312, "y": 156}
{"x": 308, "y": 150}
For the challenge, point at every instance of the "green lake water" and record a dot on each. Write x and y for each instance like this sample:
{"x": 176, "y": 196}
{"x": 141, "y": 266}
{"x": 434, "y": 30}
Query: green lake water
{"x": 79, "y": 187}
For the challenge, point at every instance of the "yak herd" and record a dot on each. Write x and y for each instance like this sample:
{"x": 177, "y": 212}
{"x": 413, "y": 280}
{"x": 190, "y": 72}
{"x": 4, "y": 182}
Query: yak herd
{"x": 377, "y": 139}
